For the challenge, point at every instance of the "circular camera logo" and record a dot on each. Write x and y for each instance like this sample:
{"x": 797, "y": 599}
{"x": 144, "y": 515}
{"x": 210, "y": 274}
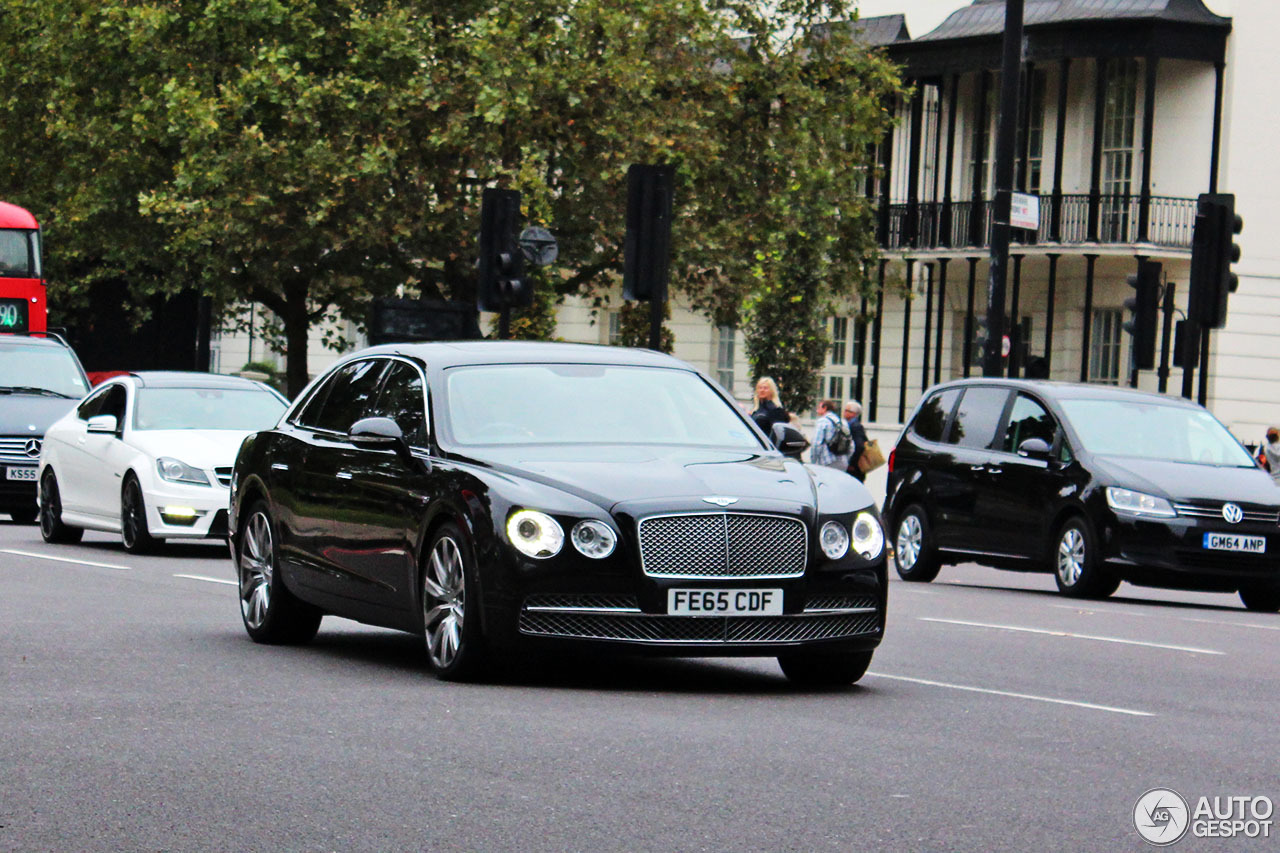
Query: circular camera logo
{"x": 1161, "y": 816}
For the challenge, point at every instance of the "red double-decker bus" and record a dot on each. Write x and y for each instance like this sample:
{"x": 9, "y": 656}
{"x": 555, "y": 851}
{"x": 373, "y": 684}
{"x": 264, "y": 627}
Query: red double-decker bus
{"x": 22, "y": 293}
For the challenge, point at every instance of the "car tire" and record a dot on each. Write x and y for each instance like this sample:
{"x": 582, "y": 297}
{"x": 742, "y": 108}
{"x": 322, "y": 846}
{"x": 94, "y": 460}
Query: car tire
{"x": 24, "y": 516}
{"x": 272, "y": 614}
{"x": 1076, "y": 567}
{"x": 451, "y": 608}
{"x": 52, "y": 530}
{"x": 914, "y": 555}
{"x": 809, "y": 669}
{"x": 1261, "y": 599}
{"x": 134, "y": 533}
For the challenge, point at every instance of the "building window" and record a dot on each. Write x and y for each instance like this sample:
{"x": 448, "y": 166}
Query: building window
{"x": 835, "y": 387}
{"x": 1104, "y": 355}
{"x": 839, "y": 339}
{"x": 1118, "y": 123}
{"x": 724, "y": 356}
{"x": 1034, "y": 144}
{"x": 981, "y": 136}
{"x": 614, "y": 338}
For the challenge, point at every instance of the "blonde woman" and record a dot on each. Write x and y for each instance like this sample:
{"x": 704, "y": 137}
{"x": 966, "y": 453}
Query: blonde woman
{"x": 767, "y": 408}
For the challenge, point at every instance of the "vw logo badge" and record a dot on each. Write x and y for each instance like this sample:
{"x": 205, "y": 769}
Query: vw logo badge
{"x": 1232, "y": 513}
{"x": 720, "y": 500}
{"x": 32, "y": 447}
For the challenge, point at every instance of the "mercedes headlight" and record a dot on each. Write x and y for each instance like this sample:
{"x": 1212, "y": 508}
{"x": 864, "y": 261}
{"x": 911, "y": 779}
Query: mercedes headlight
{"x": 868, "y": 535}
{"x": 834, "y": 539}
{"x": 593, "y": 539}
{"x": 1137, "y": 503}
{"x": 535, "y": 534}
{"x": 177, "y": 471}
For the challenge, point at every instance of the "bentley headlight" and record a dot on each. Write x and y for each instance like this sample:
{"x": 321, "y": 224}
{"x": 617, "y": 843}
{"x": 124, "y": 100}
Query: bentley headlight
{"x": 835, "y": 540}
{"x": 868, "y": 535}
{"x": 534, "y": 533}
{"x": 1137, "y": 503}
{"x": 593, "y": 539}
{"x": 177, "y": 471}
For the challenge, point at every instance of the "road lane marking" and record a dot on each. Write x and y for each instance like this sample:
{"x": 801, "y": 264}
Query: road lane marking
{"x": 66, "y": 560}
{"x": 1117, "y": 611}
{"x": 1189, "y": 649}
{"x": 1012, "y": 695}
{"x": 210, "y": 580}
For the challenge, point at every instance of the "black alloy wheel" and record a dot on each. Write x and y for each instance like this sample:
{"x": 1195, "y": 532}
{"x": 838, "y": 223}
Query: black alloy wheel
{"x": 812, "y": 669}
{"x": 24, "y": 516}
{"x": 134, "y": 534}
{"x": 914, "y": 554}
{"x": 1076, "y": 567}
{"x": 1261, "y": 598}
{"x": 52, "y": 530}
{"x": 271, "y": 613}
{"x": 451, "y": 608}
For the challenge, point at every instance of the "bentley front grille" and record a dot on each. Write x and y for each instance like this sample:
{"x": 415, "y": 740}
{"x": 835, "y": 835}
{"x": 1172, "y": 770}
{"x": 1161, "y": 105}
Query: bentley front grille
{"x": 723, "y": 545}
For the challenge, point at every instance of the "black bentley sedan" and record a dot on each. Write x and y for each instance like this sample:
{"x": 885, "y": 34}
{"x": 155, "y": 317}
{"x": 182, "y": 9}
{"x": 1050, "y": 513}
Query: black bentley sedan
{"x": 1093, "y": 483}
{"x": 493, "y": 496}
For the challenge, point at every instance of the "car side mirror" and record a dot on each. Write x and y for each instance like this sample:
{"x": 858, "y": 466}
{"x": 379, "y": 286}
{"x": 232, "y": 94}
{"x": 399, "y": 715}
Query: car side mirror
{"x": 1035, "y": 448}
{"x": 384, "y": 434}
{"x": 789, "y": 440}
{"x": 375, "y": 434}
{"x": 103, "y": 424}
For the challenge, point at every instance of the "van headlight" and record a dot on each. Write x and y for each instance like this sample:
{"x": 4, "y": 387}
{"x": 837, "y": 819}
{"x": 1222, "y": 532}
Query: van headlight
{"x": 535, "y": 534}
{"x": 1138, "y": 503}
{"x": 868, "y": 535}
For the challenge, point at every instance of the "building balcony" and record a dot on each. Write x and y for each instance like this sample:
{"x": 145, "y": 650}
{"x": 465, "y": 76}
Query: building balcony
{"x": 1065, "y": 220}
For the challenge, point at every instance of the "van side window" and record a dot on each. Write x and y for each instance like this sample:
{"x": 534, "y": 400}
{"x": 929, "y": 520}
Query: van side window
{"x": 978, "y": 415}
{"x": 1028, "y": 419}
{"x": 932, "y": 417}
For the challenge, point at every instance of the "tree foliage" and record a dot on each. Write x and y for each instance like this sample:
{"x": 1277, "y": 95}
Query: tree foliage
{"x": 308, "y": 156}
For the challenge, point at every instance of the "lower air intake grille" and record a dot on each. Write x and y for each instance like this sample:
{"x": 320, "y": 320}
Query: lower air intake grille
{"x": 647, "y": 628}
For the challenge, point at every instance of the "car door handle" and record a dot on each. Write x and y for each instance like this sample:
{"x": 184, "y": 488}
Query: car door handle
{"x": 995, "y": 470}
{"x": 977, "y": 468}
{"x": 279, "y": 466}
{"x": 344, "y": 475}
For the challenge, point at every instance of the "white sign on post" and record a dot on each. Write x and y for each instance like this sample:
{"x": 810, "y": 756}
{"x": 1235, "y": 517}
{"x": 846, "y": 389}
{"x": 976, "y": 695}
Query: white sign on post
{"x": 1024, "y": 211}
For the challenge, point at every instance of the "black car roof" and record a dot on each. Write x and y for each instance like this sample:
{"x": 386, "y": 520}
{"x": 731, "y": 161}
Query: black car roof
{"x": 1058, "y": 390}
{"x": 454, "y": 353}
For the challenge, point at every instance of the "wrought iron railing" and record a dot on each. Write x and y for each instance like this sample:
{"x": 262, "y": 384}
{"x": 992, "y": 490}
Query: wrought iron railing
{"x": 1064, "y": 219}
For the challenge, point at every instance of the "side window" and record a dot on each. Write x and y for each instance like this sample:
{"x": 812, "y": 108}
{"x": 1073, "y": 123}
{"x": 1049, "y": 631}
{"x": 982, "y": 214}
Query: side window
{"x": 932, "y": 418}
{"x": 92, "y": 405}
{"x": 349, "y": 393}
{"x": 402, "y": 400}
{"x": 977, "y": 417}
{"x": 1028, "y": 419}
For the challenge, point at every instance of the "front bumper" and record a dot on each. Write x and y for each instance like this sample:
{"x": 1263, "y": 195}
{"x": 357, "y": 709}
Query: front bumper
{"x": 1172, "y": 552}
{"x": 175, "y": 511}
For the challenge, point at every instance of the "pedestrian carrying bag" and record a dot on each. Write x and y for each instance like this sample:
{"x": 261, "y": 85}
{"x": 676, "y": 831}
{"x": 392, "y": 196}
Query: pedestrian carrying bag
{"x": 840, "y": 442}
{"x": 871, "y": 457}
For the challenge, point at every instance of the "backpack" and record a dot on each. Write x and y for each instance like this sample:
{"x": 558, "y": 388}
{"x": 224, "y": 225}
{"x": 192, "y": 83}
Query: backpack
{"x": 840, "y": 442}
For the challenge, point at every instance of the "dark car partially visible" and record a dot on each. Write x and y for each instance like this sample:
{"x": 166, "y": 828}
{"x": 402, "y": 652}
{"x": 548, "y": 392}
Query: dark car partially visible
{"x": 493, "y": 496}
{"x": 40, "y": 381}
{"x": 1096, "y": 484}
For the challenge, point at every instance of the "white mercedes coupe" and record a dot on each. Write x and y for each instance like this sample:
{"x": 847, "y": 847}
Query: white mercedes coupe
{"x": 149, "y": 455}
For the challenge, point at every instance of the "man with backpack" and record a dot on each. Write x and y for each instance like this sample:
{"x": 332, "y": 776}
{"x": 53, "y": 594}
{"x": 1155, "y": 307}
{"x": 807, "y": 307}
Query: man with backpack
{"x": 832, "y": 441}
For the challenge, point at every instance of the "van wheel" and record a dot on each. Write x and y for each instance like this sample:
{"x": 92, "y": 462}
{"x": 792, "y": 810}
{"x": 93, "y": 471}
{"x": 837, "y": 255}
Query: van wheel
{"x": 1261, "y": 599}
{"x": 1076, "y": 567}
{"x": 914, "y": 554}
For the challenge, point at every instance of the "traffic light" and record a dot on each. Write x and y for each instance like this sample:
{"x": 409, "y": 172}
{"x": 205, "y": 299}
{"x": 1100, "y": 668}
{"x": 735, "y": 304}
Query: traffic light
{"x": 646, "y": 252}
{"x": 501, "y": 263}
{"x": 981, "y": 339}
{"x": 1213, "y": 252}
{"x": 1144, "y": 307}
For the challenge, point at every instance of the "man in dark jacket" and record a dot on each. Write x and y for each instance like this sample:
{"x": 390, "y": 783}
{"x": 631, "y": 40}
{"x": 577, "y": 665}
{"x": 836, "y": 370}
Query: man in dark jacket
{"x": 853, "y": 415}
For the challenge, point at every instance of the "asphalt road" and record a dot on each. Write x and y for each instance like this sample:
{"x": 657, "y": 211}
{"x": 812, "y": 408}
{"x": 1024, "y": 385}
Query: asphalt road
{"x": 136, "y": 715}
